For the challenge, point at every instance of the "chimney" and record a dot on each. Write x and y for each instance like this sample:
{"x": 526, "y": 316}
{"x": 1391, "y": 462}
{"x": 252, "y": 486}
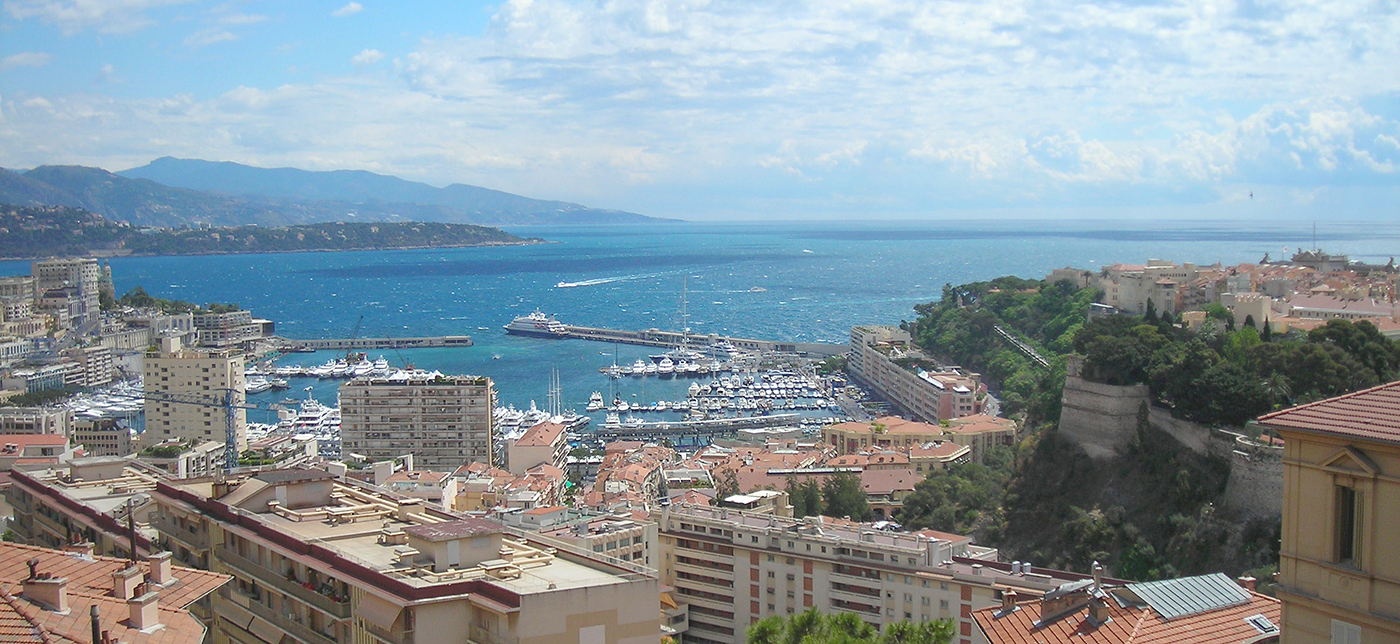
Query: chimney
{"x": 1098, "y": 576}
{"x": 1248, "y": 583}
{"x": 1098, "y": 611}
{"x": 48, "y": 591}
{"x": 160, "y": 569}
{"x": 82, "y": 548}
{"x": 407, "y": 507}
{"x": 506, "y": 553}
{"x": 1016, "y": 567}
{"x": 144, "y": 613}
{"x": 1008, "y": 601}
{"x": 125, "y": 581}
{"x": 976, "y": 569}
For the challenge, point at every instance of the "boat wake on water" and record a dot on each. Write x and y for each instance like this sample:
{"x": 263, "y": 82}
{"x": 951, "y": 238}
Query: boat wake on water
{"x": 603, "y": 280}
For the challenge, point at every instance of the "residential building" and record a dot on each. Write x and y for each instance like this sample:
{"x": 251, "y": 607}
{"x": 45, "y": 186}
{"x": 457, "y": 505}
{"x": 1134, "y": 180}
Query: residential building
{"x": 80, "y": 274}
{"x": 41, "y": 378}
{"x": 444, "y": 421}
{"x": 35, "y": 420}
{"x": 87, "y": 499}
{"x": 734, "y": 568}
{"x": 1204, "y": 608}
{"x": 543, "y": 443}
{"x": 103, "y": 437}
{"x": 619, "y": 535}
{"x": 885, "y": 359}
{"x": 185, "y": 394}
{"x": 1339, "y": 573}
{"x": 320, "y": 561}
{"x": 225, "y": 329}
{"x": 183, "y": 458}
{"x": 18, "y": 288}
{"x": 33, "y": 450}
{"x": 95, "y": 366}
{"x": 436, "y": 488}
{"x": 69, "y": 595}
{"x": 978, "y": 433}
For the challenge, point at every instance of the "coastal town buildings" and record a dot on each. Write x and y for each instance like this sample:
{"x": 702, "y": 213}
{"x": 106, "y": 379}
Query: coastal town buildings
{"x": 223, "y": 329}
{"x": 628, "y": 536}
{"x": 545, "y": 443}
{"x": 103, "y": 437}
{"x": 1204, "y": 608}
{"x": 444, "y": 421}
{"x": 35, "y": 420}
{"x": 1339, "y": 578}
{"x": 82, "y": 275}
{"x": 885, "y": 359}
{"x": 70, "y": 595}
{"x": 33, "y": 450}
{"x": 978, "y": 433}
{"x": 186, "y": 391}
{"x": 321, "y": 560}
{"x": 86, "y": 500}
{"x": 734, "y": 568}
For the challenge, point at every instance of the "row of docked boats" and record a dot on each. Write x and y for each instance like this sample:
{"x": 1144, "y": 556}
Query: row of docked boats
{"x": 333, "y": 369}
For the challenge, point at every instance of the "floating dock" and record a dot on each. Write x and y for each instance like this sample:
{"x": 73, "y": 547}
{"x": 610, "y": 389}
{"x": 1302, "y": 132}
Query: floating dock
{"x": 659, "y": 338}
{"x": 350, "y": 344}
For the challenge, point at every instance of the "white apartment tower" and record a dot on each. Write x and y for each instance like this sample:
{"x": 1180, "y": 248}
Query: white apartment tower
{"x": 202, "y": 377}
{"x": 81, "y": 272}
{"x": 444, "y": 421}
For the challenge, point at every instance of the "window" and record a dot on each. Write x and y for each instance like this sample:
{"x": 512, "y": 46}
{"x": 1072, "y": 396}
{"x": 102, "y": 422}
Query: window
{"x": 1348, "y": 533}
{"x": 1344, "y": 633}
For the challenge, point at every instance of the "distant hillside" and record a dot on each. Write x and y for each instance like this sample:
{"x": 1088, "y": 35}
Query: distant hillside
{"x": 41, "y": 231}
{"x": 373, "y": 192}
{"x": 175, "y": 193}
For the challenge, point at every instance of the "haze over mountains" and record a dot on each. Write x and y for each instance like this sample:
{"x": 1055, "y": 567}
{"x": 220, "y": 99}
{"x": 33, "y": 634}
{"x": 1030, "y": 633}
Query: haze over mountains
{"x": 171, "y": 192}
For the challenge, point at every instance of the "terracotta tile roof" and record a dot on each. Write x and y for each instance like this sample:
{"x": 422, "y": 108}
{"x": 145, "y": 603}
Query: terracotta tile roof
{"x": 1370, "y": 414}
{"x": 95, "y": 576}
{"x": 1127, "y": 624}
{"x": 979, "y": 423}
{"x": 540, "y": 435}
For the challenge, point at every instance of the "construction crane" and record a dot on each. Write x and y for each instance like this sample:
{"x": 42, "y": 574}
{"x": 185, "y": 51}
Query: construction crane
{"x": 354, "y": 335}
{"x": 226, "y": 400}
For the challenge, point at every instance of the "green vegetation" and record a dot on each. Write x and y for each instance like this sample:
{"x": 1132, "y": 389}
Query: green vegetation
{"x": 43, "y": 231}
{"x": 815, "y": 627}
{"x": 38, "y": 398}
{"x": 959, "y": 328}
{"x": 1220, "y": 377}
{"x": 138, "y": 298}
{"x": 39, "y": 231}
{"x": 962, "y": 499}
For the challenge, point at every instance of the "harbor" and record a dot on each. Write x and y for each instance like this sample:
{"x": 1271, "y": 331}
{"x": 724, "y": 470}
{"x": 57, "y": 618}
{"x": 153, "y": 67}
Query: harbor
{"x": 540, "y": 325}
{"x": 361, "y": 344}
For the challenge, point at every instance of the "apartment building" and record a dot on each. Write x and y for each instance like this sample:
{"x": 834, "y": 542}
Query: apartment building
{"x": 225, "y": 328}
{"x": 444, "y": 421}
{"x": 734, "y": 568}
{"x": 103, "y": 437}
{"x": 200, "y": 379}
{"x": 885, "y": 359}
{"x": 545, "y": 443}
{"x": 1339, "y": 573}
{"x": 79, "y": 273}
{"x": 95, "y": 365}
{"x": 86, "y": 500}
{"x": 70, "y": 595}
{"x": 35, "y": 420}
{"x": 619, "y": 535}
{"x": 320, "y": 560}
{"x": 1128, "y": 287}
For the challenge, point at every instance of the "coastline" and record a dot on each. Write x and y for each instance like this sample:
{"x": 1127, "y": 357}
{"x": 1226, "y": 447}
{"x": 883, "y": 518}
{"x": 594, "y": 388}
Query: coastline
{"x": 110, "y": 254}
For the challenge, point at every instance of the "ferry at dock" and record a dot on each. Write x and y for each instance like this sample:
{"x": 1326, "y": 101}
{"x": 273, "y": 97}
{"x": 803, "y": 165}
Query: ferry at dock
{"x": 538, "y": 325}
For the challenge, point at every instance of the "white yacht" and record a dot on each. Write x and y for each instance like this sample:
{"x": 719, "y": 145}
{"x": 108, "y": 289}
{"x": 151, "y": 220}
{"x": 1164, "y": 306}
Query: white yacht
{"x": 595, "y": 402}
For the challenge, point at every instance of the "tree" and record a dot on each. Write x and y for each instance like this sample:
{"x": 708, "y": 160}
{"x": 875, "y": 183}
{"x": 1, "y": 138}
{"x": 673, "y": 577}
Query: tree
{"x": 1151, "y": 314}
{"x": 1266, "y": 335}
{"x": 844, "y": 497}
{"x": 1249, "y": 322}
{"x": 726, "y": 483}
{"x": 814, "y": 627}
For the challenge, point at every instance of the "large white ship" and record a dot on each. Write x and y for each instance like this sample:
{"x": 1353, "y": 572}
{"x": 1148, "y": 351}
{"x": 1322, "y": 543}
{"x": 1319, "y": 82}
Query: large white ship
{"x": 537, "y": 324}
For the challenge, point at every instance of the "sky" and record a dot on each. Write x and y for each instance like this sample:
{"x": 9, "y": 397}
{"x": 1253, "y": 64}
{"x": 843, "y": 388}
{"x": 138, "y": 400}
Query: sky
{"x": 742, "y": 110}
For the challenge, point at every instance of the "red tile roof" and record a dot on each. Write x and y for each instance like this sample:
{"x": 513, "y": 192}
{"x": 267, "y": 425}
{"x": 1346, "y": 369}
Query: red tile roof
{"x": 1370, "y": 414}
{"x": 1126, "y": 624}
{"x": 541, "y": 435}
{"x": 95, "y": 575}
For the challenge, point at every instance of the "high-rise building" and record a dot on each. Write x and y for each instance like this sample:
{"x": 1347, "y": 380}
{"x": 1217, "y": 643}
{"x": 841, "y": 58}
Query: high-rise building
{"x": 82, "y": 273}
{"x": 444, "y": 421}
{"x": 186, "y": 389}
{"x": 1338, "y": 574}
{"x": 886, "y": 359}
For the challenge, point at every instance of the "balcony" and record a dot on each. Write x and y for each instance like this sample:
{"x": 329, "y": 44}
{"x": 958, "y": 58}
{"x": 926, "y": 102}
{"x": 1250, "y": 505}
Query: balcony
{"x": 273, "y": 579}
{"x": 850, "y": 596}
{"x": 290, "y": 625}
{"x": 197, "y": 541}
{"x": 856, "y": 580}
{"x": 480, "y": 635}
{"x": 694, "y": 569}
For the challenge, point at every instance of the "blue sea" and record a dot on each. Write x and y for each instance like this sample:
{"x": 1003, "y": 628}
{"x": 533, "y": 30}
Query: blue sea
{"x": 790, "y": 281}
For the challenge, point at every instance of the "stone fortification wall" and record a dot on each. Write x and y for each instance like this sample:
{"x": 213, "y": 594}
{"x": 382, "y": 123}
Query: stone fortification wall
{"x": 1255, "y": 487}
{"x": 1102, "y": 420}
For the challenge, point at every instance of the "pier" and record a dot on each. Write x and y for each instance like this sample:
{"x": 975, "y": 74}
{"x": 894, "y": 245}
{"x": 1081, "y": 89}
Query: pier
{"x": 697, "y": 431}
{"x": 351, "y": 344}
{"x": 659, "y": 338}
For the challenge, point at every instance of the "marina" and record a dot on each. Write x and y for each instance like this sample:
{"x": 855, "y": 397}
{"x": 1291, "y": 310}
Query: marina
{"x": 538, "y": 324}
{"x": 360, "y": 344}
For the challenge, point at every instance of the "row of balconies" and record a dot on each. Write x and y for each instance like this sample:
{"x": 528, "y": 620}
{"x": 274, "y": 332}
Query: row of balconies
{"x": 291, "y": 587}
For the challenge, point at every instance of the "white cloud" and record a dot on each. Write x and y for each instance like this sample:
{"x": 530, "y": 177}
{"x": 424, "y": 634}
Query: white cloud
{"x": 72, "y": 16}
{"x": 25, "y": 59}
{"x": 350, "y": 8}
{"x": 210, "y": 36}
{"x": 240, "y": 19}
{"x": 367, "y": 57}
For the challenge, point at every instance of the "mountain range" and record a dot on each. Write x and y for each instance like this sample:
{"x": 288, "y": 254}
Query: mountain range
{"x": 171, "y": 192}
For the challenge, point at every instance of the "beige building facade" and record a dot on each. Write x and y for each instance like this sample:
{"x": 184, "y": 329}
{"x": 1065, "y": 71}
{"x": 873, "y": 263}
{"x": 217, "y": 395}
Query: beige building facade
{"x": 1339, "y": 564}
{"x": 444, "y": 421}
{"x": 200, "y": 379}
{"x": 875, "y": 360}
